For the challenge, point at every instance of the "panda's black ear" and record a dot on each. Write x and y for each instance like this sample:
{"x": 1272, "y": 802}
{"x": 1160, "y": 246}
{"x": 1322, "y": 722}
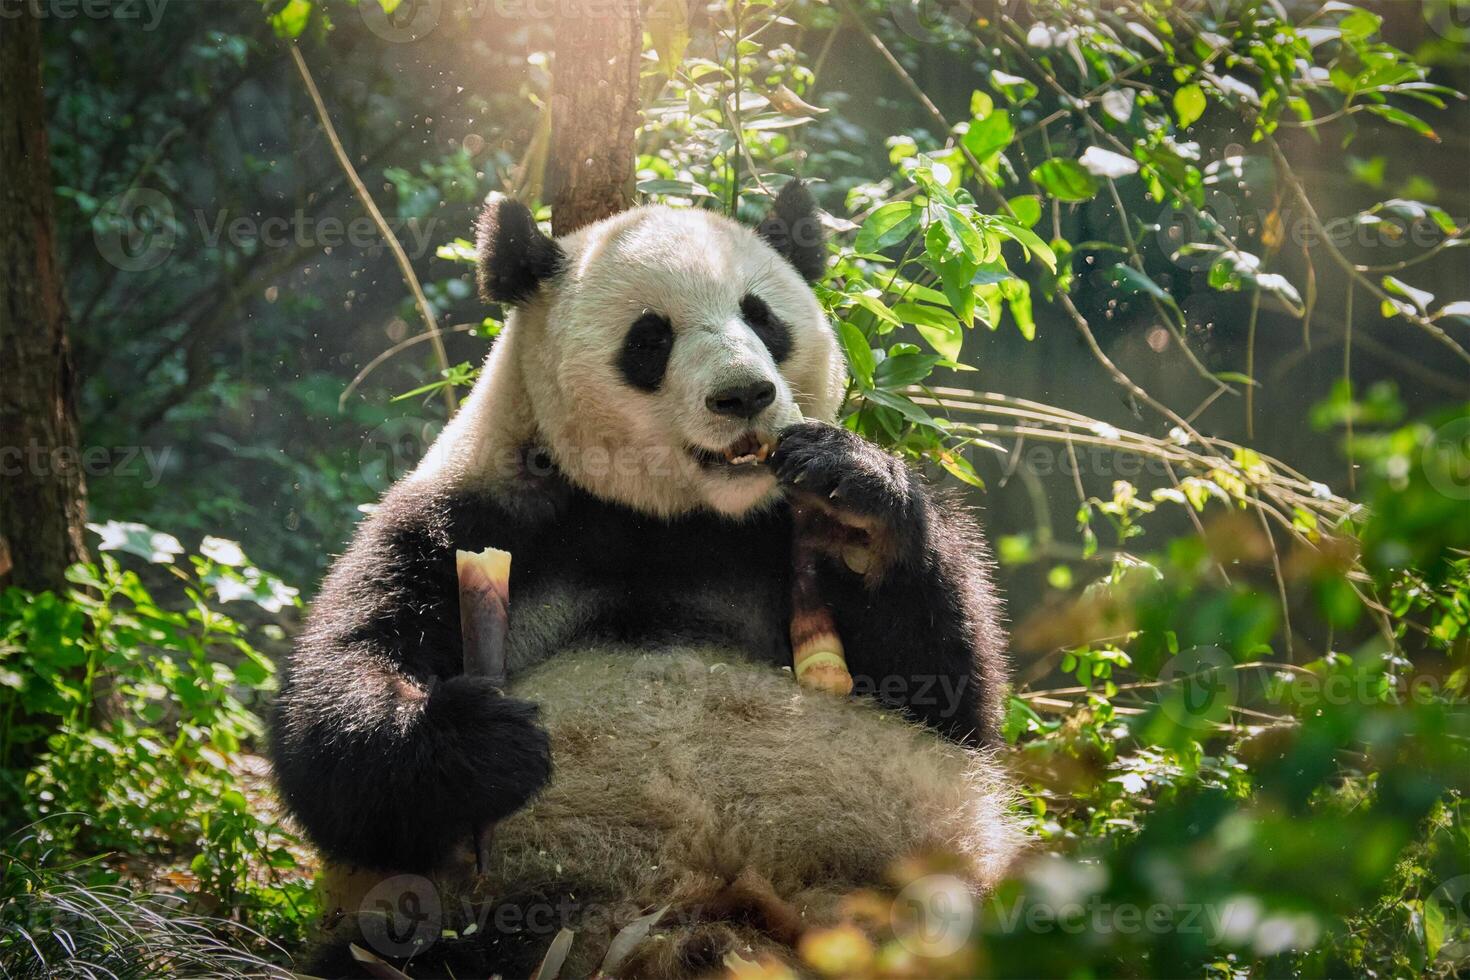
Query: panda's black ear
{"x": 514, "y": 256}
{"x": 794, "y": 228}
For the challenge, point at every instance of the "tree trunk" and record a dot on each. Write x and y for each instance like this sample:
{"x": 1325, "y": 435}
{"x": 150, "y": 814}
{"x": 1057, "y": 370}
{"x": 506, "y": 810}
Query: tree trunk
{"x": 594, "y": 111}
{"x": 42, "y": 502}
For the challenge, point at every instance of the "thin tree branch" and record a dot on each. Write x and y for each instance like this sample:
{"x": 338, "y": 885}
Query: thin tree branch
{"x": 404, "y": 266}
{"x": 1283, "y": 169}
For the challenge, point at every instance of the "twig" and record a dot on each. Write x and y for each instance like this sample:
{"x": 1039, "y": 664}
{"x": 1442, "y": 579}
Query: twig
{"x": 1283, "y": 167}
{"x": 1250, "y": 364}
{"x": 377, "y": 362}
{"x": 401, "y": 257}
{"x": 1122, "y": 379}
{"x": 1177, "y": 329}
{"x": 907, "y": 80}
{"x": 1347, "y": 377}
{"x": 1280, "y": 578}
{"x": 735, "y": 123}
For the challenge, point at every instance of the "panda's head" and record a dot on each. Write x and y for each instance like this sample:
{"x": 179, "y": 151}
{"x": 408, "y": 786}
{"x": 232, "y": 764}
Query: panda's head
{"x": 661, "y": 351}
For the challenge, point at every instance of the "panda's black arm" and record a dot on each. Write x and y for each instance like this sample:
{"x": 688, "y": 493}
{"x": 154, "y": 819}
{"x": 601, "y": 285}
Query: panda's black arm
{"x": 921, "y": 623}
{"x": 387, "y": 757}
{"x": 926, "y": 637}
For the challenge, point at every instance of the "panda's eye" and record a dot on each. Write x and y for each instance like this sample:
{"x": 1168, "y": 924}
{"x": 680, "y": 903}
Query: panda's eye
{"x": 767, "y": 326}
{"x": 645, "y": 352}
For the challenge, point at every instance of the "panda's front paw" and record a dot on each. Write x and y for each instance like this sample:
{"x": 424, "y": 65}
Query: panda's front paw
{"x": 836, "y": 473}
{"x": 490, "y": 749}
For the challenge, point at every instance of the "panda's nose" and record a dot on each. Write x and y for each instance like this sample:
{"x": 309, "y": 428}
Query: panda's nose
{"x": 742, "y": 401}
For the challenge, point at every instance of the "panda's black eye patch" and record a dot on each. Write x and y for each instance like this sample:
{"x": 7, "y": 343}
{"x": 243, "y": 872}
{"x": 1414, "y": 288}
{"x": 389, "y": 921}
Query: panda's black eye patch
{"x": 772, "y": 331}
{"x": 645, "y": 352}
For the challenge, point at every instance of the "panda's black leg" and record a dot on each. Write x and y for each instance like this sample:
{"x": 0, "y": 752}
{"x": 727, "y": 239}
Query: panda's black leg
{"x": 907, "y": 581}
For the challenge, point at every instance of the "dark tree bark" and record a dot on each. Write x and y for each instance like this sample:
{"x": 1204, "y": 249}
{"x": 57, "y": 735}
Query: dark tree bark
{"x": 594, "y": 111}
{"x": 42, "y": 500}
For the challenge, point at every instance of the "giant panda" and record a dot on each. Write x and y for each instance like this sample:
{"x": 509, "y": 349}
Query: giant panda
{"x": 664, "y": 388}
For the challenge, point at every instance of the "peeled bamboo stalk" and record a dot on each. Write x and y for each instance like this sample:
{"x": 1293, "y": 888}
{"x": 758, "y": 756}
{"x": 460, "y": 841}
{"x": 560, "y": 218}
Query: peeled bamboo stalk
{"x": 817, "y": 656}
{"x": 484, "y": 626}
{"x": 484, "y": 611}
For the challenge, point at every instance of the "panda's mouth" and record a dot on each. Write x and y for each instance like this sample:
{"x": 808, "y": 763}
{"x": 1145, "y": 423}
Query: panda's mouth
{"x": 745, "y": 454}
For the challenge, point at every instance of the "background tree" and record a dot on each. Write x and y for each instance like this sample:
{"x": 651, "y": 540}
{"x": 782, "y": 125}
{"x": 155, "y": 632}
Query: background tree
{"x": 1175, "y": 287}
{"x": 42, "y": 499}
{"x": 594, "y": 112}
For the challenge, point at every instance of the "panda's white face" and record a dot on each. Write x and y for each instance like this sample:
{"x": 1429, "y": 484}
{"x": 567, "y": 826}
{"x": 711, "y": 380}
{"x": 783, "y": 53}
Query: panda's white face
{"x": 666, "y": 356}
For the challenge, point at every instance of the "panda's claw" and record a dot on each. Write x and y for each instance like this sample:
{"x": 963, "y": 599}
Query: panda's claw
{"x": 845, "y": 471}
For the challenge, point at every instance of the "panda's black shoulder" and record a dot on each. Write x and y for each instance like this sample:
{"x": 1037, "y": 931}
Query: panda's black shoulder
{"x": 397, "y": 577}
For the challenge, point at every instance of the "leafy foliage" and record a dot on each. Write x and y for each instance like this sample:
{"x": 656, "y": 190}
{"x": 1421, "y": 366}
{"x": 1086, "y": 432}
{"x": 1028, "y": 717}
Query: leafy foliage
{"x": 1215, "y": 249}
{"x": 56, "y": 921}
{"x": 136, "y": 715}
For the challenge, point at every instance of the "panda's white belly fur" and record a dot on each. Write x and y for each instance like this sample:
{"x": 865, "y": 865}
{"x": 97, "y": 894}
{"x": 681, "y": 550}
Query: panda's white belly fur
{"x": 680, "y": 773}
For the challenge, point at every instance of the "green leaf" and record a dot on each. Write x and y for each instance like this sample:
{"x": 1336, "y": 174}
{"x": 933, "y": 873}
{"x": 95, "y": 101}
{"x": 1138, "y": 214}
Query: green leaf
{"x": 459, "y": 250}
{"x": 1360, "y": 24}
{"x": 1434, "y": 928}
{"x": 1189, "y": 105}
{"x": 1408, "y": 120}
{"x": 888, "y": 226}
{"x": 1282, "y": 288}
{"x": 989, "y": 135}
{"x": 1459, "y": 311}
{"x": 1065, "y": 180}
{"x": 1235, "y": 377}
{"x": 956, "y": 277}
{"x": 962, "y": 233}
{"x": 878, "y": 308}
{"x": 859, "y": 355}
{"x": 1018, "y": 296}
{"x": 1232, "y": 270}
{"x": 677, "y": 188}
{"x": 904, "y": 369}
{"x": 1419, "y": 297}
{"x": 902, "y": 406}
{"x": 1028, "y": 239}
{"x": 1105, "y": 163}
{"x": 1027, "y": 208}
{"x": 1015, "y": 88}
{"x": 938, "y": 327}
{"x": 960, "y": 468}
{"x": 291, "y": 19}
{"x": 1131, "y": 280}
{"x": 137, "y": 539}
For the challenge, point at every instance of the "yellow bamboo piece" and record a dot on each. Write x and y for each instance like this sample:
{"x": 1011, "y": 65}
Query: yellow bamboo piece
{"x": 484, "y": 626}
{"x": 484, "y": 611}
{"x": 817, "y": 657}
